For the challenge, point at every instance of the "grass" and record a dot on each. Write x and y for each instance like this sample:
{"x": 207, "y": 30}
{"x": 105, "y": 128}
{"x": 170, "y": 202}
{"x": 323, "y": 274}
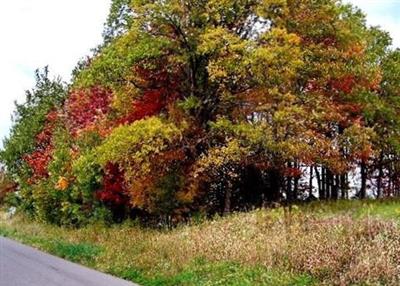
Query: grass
{"x": 223, "y": 274}
{"x": 335, "y": 243}
{"x": 83, "y": 253}
{"x": 385, "y": 208}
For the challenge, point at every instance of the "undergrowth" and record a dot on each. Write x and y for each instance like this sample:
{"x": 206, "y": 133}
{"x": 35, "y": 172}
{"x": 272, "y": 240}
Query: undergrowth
{"x": 339, "y": 243}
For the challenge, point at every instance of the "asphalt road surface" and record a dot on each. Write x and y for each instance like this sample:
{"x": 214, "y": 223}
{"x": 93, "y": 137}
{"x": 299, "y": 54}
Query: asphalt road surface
{"x": 21, "y": 265}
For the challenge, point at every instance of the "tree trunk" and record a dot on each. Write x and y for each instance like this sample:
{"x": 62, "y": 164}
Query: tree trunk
{"x": 310, "y": 190}
{"x": 296, "y": 184}
{"x": 228, "y": 200}
{"x": 344, "y": 186}
{"x": 379, "y": 179}
{"x": 275, "y": 184}
{"x": 390, "y": 180}
{"x": 321, "y": 194}
{"x": 335, "y": 189}
{"x": 363, "y": 189}
{"x": 323, "y": 178}
{"x": 329, "y": 183}
{"x": 289, "y": 194}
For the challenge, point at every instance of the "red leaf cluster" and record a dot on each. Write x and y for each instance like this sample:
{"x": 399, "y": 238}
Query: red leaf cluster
{"x": 113, "y": 190}
{"x": 39, "y": 159}
{"x": 150, "y": 104}
{"x": 160, "y": 87}
{"x": 344, "y": 84}
{"x": 85, "y": 107}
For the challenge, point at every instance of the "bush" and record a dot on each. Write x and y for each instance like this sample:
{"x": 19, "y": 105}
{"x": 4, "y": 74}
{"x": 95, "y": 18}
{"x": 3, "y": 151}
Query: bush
{"x": 7, "y": 186}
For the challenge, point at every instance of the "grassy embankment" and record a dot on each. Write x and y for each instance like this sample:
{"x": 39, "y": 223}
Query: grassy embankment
{"x": 343, "y": 243}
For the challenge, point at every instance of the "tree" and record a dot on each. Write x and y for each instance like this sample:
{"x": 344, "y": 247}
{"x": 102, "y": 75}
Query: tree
{"x": 7, "y": 186}
{"x": 29, "y": 121}
{"x": 118, "y": 21}
{"x": 215, "y": 106}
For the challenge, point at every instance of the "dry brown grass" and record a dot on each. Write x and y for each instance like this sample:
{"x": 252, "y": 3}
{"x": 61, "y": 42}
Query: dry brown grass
{"x": 336, "y": 250}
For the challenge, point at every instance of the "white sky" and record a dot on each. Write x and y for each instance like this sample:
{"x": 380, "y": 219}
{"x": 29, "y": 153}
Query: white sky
{"x": 36, "y": 33}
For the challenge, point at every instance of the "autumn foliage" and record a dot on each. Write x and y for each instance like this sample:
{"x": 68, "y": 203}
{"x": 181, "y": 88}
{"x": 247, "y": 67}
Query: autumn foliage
{"x": 210, "y": 107}
{"x": 40, "y": 158}
{"x": 85, "y": 108}
{"x": 113, "y": 189}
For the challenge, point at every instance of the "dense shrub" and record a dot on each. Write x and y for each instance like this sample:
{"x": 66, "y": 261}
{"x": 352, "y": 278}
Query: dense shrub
{"x": 7, "y": 186}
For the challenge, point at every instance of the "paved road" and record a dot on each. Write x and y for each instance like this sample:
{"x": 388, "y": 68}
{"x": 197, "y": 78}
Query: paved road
{"x": 24, "y": 266}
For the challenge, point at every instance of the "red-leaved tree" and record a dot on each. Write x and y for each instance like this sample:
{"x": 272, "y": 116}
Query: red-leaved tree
{"x": 40, "y": 158}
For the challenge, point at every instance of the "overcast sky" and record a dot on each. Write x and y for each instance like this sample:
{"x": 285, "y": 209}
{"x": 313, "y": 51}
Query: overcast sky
{"x": 36, "y": 33}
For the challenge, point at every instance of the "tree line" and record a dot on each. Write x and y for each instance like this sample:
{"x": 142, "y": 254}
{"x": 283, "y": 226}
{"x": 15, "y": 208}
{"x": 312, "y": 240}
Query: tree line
{"x": 210, "y": 106}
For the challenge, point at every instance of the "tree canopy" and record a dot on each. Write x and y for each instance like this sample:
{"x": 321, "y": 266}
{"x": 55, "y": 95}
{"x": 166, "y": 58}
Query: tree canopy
{"x": 212, "y": 106}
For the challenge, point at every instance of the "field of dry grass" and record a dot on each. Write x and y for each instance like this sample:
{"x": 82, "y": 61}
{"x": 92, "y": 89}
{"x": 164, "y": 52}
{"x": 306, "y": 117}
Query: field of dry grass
{"x": 343, "y": 243}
